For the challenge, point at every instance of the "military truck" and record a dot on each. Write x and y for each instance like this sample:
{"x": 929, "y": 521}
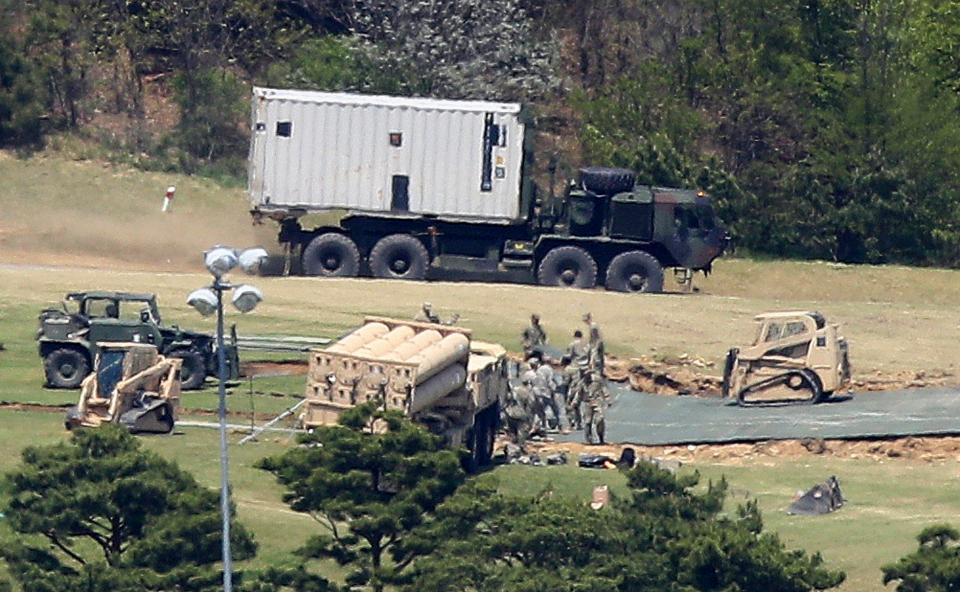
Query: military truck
{"x": 434, "y": 373}
{"x": 795, "y": 357}
{"x": 69, "y": 337}
{"x": 132, "y": 385}
{"x": 435, "y": 189}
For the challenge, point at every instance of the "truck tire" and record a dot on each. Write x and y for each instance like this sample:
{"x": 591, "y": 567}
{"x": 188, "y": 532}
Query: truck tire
{"x": 399, "y": 257}
{"x": 66, "y": 367}
{"x": 568, "y": 267}
{"x": 607, "y": 181}
{"x": 193, "y": 371}
{"x": 331, "y": 255}
{"x": 634, "y": 271}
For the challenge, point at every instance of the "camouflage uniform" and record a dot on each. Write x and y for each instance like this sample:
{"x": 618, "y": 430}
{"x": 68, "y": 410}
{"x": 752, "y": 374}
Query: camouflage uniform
{"x": 537, "y": 410}
{"x": 594, "y": 405}
{"x": 426, "y": 315}
{"x": 545, "y": 387}
{"x": 518, "y": 413}
{"x": 533, "y": 336}
{"x": 579, "y": 357}
{"x": 596, "y": 350}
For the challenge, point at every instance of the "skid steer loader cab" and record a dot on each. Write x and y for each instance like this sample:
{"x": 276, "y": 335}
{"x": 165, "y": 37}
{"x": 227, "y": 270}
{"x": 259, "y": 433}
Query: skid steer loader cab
{"x": 131, "y": 385}
{"x": 796, "y": 357}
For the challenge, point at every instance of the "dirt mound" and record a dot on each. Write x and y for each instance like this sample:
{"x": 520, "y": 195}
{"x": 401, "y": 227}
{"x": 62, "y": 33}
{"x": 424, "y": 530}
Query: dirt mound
{"x": 678, "y": 378}
{"x": 914, "y": 449}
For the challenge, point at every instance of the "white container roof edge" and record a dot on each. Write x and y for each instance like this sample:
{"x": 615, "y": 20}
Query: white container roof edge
{"x": 307, "y": 96}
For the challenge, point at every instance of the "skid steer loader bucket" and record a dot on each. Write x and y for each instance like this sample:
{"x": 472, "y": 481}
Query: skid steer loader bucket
{"x": 131, "y": 385}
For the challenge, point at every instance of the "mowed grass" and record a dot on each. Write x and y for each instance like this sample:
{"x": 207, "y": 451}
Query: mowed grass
{"x": 889, "y": 501}
{"x": 96, "y": 225}
{"x": 57, "y": 210}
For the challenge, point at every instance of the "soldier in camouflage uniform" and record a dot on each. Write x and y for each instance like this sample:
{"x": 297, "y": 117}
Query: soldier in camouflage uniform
{"x": 426, "y": 314}
{"x": 533, "y": 336}
{"x": 577, "y": 358}
{"x": 594, "y": 407}
{"x": 596, "y": 350}
{"x": 544, "y": 389}
{"x": 518, "y": 412}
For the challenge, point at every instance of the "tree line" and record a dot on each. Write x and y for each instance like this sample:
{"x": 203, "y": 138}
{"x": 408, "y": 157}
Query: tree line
{"x": 824, "y": 128}
{"x": 395, "y": 509}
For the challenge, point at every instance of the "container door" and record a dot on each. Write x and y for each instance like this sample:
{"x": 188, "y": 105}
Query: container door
{"x": 256, "y": 173}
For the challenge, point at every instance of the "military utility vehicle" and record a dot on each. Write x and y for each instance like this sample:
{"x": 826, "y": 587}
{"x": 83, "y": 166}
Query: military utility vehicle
{"x": 434, "y": 373}
{"x": 434, "y": 189}
{"x": 796, "y": 357}
{"x": 131, "y": 385}
{"x": 69, "y": 338}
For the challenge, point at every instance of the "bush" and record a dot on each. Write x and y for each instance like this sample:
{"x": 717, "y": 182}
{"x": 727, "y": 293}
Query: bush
{"x": 213, "y": 106}
{"x": 21, "y": 99}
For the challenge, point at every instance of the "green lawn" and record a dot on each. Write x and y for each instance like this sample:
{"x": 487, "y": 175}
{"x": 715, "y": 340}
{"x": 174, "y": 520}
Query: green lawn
{"x": 889, "y": 501}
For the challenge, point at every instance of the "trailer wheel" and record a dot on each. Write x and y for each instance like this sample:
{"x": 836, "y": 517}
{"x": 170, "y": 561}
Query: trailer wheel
{"x": 331, "y": 255}
{"x": 399, "y": 256}
{"x": 568, "y": 267}
{"x": 635, "y": 271}
{"x": 65, "y": 368}
{"x": 607, "y": 181}
{"x": 193, "y": 370}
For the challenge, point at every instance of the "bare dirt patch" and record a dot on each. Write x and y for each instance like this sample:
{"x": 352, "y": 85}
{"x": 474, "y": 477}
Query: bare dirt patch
{"x": 273, "y": 368}
{"x": 913, "y": 449}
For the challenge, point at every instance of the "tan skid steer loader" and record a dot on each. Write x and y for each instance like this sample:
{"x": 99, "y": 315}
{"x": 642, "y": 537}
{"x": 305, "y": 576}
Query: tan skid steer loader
{"x": 132, "y": 385}
{"x": 796, "y": 357}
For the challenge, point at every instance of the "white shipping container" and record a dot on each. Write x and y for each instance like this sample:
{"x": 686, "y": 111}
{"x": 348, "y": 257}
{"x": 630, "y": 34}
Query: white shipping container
{"x": 392, "y": 155}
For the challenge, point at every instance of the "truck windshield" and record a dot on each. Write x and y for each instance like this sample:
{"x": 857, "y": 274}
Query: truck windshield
{"x": 705, "y": 214}
{"x": 695, "y": 217}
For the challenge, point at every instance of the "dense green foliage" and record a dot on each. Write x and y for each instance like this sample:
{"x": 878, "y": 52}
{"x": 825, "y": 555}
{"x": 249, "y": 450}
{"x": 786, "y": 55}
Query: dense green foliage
{"x": 367, "y": 491}
{"x": 933, "y": 567}
{"x": 825, "y": 128}
{"x": 663, "y": 536}
{"x": 101, "y": 514}
{"x": 20, "y": 100}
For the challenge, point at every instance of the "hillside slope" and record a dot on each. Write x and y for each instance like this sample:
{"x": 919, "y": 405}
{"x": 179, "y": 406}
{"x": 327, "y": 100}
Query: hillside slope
{"x": 82, "y": 213}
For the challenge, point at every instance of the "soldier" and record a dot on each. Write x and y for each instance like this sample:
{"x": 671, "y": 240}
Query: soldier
{"x": 577, "y": 358}
{"x": 596, "y": 350}
{"x": 554, "y": 382}
{"x": 533, "y": 336}
{"x": 426, "y": 314}
{"x": 518, "y": 412}
{"x": 594, "y": 406}
{"x": 544, "y": 386}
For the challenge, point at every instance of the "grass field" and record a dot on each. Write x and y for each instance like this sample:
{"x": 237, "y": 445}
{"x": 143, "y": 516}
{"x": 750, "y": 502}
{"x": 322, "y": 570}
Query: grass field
{"x": 889, "y": 502}
{"x": 80, "y": 225}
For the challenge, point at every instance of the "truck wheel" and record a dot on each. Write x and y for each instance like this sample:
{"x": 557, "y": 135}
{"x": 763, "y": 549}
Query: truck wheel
{"x": 607, "y": 181}
{"x": 193, "y": 371}
{"x": 331, "y": 255}
{"x": 399, "y": 257}
{"x": 568, "y": 267}
{"x": 65, "y": 368}
{"x": 634, "y": 271}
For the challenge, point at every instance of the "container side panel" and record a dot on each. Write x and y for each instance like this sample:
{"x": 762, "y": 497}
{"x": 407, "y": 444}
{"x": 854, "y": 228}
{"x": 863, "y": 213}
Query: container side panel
{"x": 343, "y": 155}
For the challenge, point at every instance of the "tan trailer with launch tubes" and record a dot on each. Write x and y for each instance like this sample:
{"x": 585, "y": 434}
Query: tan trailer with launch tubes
{"x": 433, "y": 373}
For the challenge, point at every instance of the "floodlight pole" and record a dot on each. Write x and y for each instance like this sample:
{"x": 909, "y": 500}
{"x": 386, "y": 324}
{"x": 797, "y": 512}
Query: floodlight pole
{"x": 219, "y": 288}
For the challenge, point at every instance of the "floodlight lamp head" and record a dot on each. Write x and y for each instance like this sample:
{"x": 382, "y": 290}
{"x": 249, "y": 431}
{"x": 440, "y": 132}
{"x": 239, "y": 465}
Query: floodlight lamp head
{"x": 220, "y": 260}
{"x": 246, "y": 298}
{"x": 204, "y": 301}
{"x": 252, "y": 259}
